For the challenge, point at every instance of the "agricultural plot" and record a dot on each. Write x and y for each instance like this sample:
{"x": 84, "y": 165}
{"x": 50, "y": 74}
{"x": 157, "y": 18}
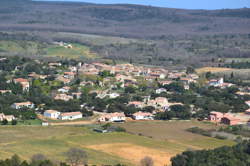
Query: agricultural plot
{"x": 168, "y": 139}
{"x": 19, "y": 47}
{"x": 77, "y": 51}
{"x": 212, "y": 70}
{"x": 32, "y": 48}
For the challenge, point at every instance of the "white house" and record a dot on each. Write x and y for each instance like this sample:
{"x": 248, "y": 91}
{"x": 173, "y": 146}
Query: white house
{"x": 9, "y": 118}
{"x": 64, "y": 89}
{"x": 160, "y": 90}
{"x": 113, "y": 95}
{"x": 143, "y": 116}
{"x": 53, "y": 114}
{"x": 22, "y": 105}
{"x": 248, "y": 103}
{"x": 70, "y": 116}
{"x": 113, "y": 117}
{"x": 216, "y": 83}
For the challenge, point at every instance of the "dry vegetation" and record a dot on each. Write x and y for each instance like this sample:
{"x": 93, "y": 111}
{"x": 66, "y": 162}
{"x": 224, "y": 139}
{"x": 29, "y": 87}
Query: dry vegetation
{"x": 108, "y": 148}
{"x": 212, "y": 70}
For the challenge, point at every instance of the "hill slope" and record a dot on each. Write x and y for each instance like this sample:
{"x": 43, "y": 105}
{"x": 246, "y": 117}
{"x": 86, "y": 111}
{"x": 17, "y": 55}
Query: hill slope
{"x": 119, "y": 20}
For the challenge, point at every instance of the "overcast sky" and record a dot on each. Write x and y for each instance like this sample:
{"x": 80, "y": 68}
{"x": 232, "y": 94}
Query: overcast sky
{"x": 186, "y": 4}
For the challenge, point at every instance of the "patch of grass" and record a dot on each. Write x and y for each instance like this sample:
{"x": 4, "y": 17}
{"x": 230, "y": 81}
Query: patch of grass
{"x": 30, "y": 122}
{"x": 106, "y": 148}
{"x": 175, "y": 131}
{"x": 77, "y": 51}
{"x": 212, "y": 70}
{"x": 19, "y": 47}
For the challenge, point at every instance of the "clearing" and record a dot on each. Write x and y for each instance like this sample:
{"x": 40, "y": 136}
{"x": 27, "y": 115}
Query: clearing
{"x": 107, "y": 148}
{"x": 212, "y": 69}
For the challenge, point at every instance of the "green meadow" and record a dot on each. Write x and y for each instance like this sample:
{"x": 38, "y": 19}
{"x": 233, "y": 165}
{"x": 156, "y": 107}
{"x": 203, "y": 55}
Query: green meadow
{"x": 107, "y": 148}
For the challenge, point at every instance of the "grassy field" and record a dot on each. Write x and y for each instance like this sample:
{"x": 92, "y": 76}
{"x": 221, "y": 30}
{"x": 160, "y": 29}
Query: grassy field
{"x": 168, "y": 139}
{"x": 212, "y": 70}
{"x": 18, "y": 47}
{"x": 29, "y": 48}
{"x": 77, "y": 51}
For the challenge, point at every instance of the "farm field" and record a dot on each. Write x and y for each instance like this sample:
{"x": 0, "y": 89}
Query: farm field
{"x": 110, "y": 148}
{"x": 175, "y": 132}
{"x": 19, "y": 47}
{"x": 31, "y": 48}
{"x": 212, "y": 69}
{"x": 77, "y": 51}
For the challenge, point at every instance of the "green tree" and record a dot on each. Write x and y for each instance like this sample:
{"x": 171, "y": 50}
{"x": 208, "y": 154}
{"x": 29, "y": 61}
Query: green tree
{"x": 4, "y": 122}
{"x": 14, "y": 122}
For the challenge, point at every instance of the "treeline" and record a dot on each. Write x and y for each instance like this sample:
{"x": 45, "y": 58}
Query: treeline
{"x": 73, "y": 157}
{"x": 238, "y": 65}
{"x": 224, "y": 156}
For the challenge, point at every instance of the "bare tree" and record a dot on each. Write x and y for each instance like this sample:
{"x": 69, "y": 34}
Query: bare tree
{"x": 75, "y": 157}
{"x": 147, "y": 161}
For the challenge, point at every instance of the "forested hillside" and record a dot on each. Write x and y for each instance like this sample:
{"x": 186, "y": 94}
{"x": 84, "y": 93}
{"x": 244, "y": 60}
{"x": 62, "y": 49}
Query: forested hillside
{"x": 226, "y": 156}
{"x": 119, "y": 20}
{"x": 132, "y": 33}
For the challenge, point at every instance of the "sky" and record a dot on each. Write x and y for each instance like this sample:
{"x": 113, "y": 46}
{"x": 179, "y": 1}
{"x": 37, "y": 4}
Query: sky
{"x": 185, "y": 4}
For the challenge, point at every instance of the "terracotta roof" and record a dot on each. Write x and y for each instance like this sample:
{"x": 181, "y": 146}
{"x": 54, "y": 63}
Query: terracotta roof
{"x": 135, "y": 103}
{"x": 70, "y": 113}
{"x": 24, "y": 103}
{"x": 115, "y": 114}
{"x": 217, "y": 114}
{"x": 142, "y": 114}
{"x": 51, "y": 111}
{"x": 21, "y": 80}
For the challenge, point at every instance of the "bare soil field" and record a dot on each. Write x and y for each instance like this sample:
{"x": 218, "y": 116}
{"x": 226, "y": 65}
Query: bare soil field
{"x": 135, "y": 153}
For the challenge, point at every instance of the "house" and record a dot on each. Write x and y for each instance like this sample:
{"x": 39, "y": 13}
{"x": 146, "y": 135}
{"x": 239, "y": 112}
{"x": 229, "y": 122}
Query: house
{"x": 215, "y": 116}
{"x": 137, "y": 104}
{"x": 161, "y": 101}
{"x": 64, "y": 80}
{"x": 77, "y": 95}
{"x": 248, "y": 103}
{"x": 157, "y": 75}
{"x": 5, "y": 91}
{"x": 64, "y": 89}
{"x": 113, "y": 117}
{"x": 229, "y": 120}
{"x": 55, "y": 64}
{"x": 9, "y": 118}
{"x": 216, "y": 82}
{"x": 163, "y": 83}
{"x": 186, "y": 81}
{"x": 63, "y": 97}
{"x": 69, "y": 75}
{"x": 53, "y": 114}
{"x": 84, "y": 83}
{"x": 160, "y": 90}
{"x": 143, "y": 116}
{"x": 70, "y": 116}
{"x": 24, "y": 83}
{"x": 247, "y": 112}
{"x": 113, "y": 95}
{"x": 23, "y": 105}
{"x": 2, "y": 116}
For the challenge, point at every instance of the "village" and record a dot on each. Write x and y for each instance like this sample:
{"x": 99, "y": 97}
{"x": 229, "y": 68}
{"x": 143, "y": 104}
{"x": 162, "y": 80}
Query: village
{"x": 142, "y": 93}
